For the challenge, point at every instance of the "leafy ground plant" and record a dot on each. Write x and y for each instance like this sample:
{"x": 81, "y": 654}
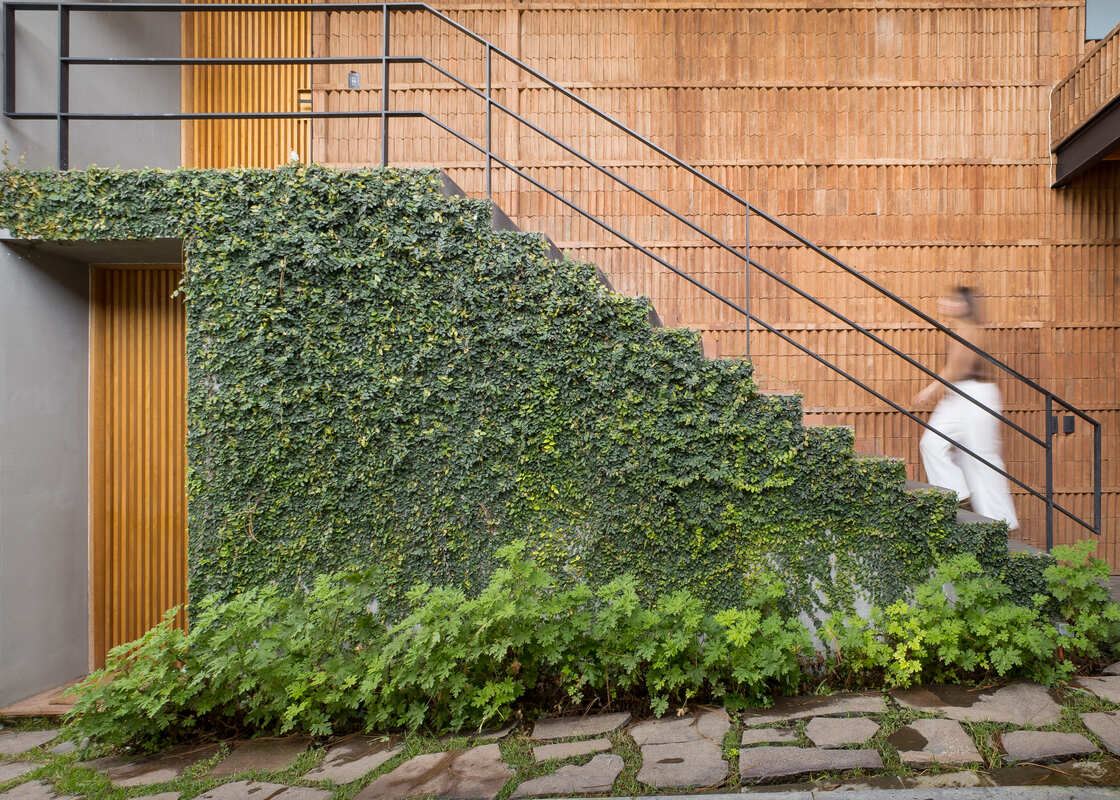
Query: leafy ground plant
{"x": 962, "y": 625}
{"x": 326, "y": 660}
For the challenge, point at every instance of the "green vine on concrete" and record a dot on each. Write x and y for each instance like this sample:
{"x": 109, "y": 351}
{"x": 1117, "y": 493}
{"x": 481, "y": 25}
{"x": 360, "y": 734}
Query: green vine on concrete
{"x": 376, "y": 377}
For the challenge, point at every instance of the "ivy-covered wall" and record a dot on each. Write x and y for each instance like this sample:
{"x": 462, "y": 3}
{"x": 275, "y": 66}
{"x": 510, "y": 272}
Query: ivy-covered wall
{"x": 378, "y": 379}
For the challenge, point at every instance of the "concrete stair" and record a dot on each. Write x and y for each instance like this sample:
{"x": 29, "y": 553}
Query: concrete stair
{"x": 965, "y": 516}
{"x": 502, "y": 222}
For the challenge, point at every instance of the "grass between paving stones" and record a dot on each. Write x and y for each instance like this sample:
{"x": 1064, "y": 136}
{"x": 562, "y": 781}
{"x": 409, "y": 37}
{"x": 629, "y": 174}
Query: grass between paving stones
{"x": 1074, "y": 702}
{"x": 68, "y": 777}
{"x": 411, "y": 746}
{"x": 27, "y": 724}
{"x": 627, "y": 782}
{"x": 986, "y": 737}
{"x": 731, "y": 744}
{"x": 517, "y": 751}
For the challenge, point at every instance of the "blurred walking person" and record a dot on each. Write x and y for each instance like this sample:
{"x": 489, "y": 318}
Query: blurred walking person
{"x": 964, "y": 421}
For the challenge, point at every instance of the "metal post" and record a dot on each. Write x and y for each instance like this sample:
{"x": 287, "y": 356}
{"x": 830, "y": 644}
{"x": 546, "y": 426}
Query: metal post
{"x": 63, "y": 87}
{"x": 1097, "y": 521}
{"x": 385, "y": 85}
{"x": 9, "y": 60}
{"x": 489, "y": 123}
{"x": 1049, "y": 473}
{"x": 748, "y": 299}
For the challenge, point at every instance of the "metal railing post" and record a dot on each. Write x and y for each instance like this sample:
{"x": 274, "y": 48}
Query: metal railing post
{"x": 63, "y": 87}
{"x": 385, "y": 84}
{"x": 489, "y": 123}
{"x": 1098, "y": 523}
{"x": 748, "y": 297}
{"x": 1049, "y": 473}
{"x": 9, "y": 59}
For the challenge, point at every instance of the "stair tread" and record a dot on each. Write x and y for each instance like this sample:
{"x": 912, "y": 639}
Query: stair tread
{"x": 920, "y": 486}
{"x": 867, "y": 456}
{"x": 1019, "y": 546}
{"x": 965, "y": 517}
{"x": 501, "y": 221}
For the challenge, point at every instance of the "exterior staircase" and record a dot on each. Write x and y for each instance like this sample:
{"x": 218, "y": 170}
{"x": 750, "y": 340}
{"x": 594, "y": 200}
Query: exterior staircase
{"x": 727, "y": 244}
{"x": 966, "y": 521}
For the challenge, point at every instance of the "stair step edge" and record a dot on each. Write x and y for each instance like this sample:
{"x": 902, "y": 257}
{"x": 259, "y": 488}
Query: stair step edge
{"x": 920, "y": 486}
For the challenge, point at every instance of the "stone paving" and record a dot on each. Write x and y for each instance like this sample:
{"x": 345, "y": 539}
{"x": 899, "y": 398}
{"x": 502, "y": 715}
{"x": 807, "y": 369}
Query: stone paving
{"x": 352, "y": 759}
{"x": 562, "y": 750}
{"x": 685, "y": 752}
{"x": 575, "y": 755}
{"x": 768, "y": 736}
{"x": 934, "y": 741}
{"x": 10, "y": 770}
{"x": 840, "y": 731}
{"x": 1018, "y": 703}
{"x": 1036, "y": 746}
{"x": 1106, "y": 687}
{"x": 1105, "y": 725}
{"x": 787, "y": 709}
{"x": 254, "y": 790}
{"x": 35, "y": 790}
{"x": 475, "y": 774}
{"x": 782, "y": 762}
{"x": 21, "y": 742}
{"x": 595, "y": 777}
{"x": 266, "y": 755}
{"x": 571, "y": 727}
{"x": 166, "y": 766}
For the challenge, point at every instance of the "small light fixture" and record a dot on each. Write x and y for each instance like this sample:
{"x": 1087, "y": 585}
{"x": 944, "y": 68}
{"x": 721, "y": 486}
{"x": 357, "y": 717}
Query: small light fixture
{"x": 354, "y": 81}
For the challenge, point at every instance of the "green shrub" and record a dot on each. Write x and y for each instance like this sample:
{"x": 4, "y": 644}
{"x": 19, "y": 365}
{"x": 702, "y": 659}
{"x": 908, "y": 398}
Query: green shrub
{"x": 327, "y": 660}
{"x": 962, "y": 624}
{"x": 139, "y": 697}
{"x": 1078, "y": 582}
{"x": 456, "y": 662}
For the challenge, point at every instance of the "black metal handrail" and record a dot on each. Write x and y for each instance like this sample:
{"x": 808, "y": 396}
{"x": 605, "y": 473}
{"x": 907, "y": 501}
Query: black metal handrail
{"x": 63, "y": 116}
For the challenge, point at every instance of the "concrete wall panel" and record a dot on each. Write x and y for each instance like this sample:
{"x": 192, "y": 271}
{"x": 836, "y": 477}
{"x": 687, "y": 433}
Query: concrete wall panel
{"x": 127, "y": 144}
{"x": 44, "y": 386}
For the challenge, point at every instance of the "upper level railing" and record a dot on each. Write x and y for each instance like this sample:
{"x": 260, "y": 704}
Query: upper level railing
{"x": 491, "y": 158}
{"x": 1088, "y": 88}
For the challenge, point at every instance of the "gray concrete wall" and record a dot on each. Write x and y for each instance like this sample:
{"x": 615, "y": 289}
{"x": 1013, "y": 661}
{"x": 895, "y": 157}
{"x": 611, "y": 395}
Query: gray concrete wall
{"x": 96, "y": 89}
{"x": 44, "y": 388}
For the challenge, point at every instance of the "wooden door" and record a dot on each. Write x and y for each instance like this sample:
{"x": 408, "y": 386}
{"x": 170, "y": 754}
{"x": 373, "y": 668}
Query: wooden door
{"x": 243, "y": 88}
{"x": 138, "y": 506}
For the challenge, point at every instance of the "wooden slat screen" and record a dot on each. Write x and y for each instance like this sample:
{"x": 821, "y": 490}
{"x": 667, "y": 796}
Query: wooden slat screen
{"x": 261, "y": 88}
{"x": 1087, "y": 89}
{"x": 138, "y": 510}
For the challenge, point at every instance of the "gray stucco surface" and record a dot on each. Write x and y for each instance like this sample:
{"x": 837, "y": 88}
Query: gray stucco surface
{"x": 131, "y": 89}
{"x": 44, "y": 356}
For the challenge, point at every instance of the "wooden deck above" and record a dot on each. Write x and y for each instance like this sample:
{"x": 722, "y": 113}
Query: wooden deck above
{"x": 1085, "y": 111}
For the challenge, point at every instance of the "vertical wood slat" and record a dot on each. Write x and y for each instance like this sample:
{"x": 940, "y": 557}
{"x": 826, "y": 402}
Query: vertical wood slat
{"x": 244, "y": 89}
{"x": 137, "y": 452}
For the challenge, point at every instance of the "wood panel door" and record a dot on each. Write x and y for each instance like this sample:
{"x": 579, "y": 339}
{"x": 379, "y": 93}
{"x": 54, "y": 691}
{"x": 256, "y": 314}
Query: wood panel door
{"x": 138, "y": 504}
{"x": 218, "y": 143}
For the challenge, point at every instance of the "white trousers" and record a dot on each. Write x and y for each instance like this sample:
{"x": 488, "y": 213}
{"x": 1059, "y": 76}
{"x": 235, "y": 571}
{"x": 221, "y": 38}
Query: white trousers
{"x": 977, "y": 430}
